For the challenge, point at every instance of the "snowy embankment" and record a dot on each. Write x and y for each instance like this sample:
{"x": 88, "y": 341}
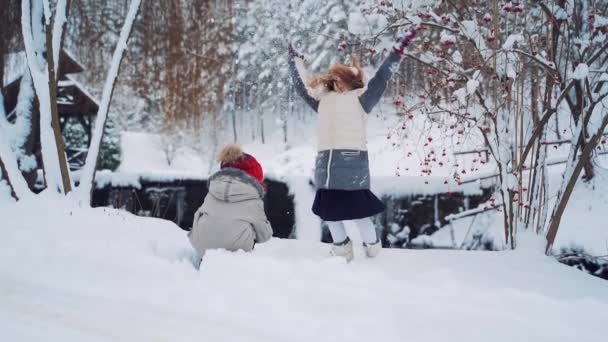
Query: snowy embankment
{"x": 80, "y": 274}
{"x": 583, "y": 226}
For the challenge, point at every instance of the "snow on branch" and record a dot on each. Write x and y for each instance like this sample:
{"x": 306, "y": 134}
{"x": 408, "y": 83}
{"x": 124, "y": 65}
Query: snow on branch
{"x": 581, "y": 72}
{"x": 47, "y": 11}
{"x": 472, "y": 212}
{"x": 543, "y": 62}
{"x": 88, "y": 171}
{"x": 59, "y": 24}
{"x": 553, "y": 109}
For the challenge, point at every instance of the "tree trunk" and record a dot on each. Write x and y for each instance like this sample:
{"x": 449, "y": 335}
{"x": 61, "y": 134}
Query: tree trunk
{"x": 87, "y": 178}
{"x": 588, "y": 167}
{"x": 63, "y": 164}
{"x": 563, "y": 201}
{"x": 234, "y": 130}
{"x": 3, "y": 174}
{"x": 589, "y": 172}
{"x": 32, "y": 145}
{"x": 262, "y": 135}
{"x": 2, "y": 52}
{"x": 290, "y": 112}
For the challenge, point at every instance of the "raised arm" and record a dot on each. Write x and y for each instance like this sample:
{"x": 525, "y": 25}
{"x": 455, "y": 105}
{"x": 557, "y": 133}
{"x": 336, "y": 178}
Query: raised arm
{"x": 297, "y": 80}
{"x": 377, "y": 84}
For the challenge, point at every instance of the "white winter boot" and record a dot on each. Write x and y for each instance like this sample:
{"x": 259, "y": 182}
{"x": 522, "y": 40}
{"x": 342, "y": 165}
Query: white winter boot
{"x": 373, "y": 249}
{"x": 344, "y": 249}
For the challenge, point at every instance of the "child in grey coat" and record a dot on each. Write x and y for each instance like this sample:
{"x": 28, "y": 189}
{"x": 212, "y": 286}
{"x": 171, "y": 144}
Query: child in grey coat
{"x": 232, "y": 216}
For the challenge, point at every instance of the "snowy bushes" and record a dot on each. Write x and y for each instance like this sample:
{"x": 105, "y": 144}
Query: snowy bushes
{"x": 515, "y": 75}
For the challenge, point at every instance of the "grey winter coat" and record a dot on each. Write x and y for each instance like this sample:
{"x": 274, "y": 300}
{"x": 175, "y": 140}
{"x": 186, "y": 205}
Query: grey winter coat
{"x": 342, "y": 162}
{"x": 342, "y": 170}
{"x": 232, "y": 216}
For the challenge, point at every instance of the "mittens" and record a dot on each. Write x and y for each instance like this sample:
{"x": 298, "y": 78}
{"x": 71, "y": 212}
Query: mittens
{"x": 405, "y": 41}
{"x": 293, "y": 53}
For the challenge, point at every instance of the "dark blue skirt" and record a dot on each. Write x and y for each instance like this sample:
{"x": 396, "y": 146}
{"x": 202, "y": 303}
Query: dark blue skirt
{"x": 343, "y": 205}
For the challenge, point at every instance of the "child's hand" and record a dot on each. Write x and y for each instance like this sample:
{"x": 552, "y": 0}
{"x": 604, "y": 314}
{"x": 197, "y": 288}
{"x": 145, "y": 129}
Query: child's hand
{"x": 293, "y": 53}
{"x": 405, "y": 41}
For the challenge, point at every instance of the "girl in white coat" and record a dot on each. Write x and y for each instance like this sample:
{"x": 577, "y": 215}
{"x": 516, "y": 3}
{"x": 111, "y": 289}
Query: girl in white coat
{"x": 342, "y": 99}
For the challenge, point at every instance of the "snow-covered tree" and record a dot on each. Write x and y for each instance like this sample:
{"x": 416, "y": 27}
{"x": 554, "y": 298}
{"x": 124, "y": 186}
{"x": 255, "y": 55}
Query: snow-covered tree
{"x": 88, "y": 172}
{"x": 42, "y": 36}
{"x": 511, "y": 73}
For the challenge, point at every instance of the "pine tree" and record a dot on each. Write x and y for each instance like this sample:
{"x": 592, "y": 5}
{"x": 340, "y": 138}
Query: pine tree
{"x": 110, "y": 146}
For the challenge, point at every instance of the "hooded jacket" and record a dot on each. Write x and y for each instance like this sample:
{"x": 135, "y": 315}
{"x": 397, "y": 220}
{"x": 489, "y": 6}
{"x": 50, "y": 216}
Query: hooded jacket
{"x": 232, "y": 216}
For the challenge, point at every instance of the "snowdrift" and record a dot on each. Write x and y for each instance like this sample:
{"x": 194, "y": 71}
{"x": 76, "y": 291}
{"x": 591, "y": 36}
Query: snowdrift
{"x": 79, "y": 274}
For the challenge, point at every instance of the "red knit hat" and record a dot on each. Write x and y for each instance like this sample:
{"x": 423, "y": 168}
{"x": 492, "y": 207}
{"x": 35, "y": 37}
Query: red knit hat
{"x": 233, "y": 157}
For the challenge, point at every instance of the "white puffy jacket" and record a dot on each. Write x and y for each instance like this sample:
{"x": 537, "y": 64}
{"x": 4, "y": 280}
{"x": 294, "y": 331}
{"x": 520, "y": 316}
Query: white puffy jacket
{"x": 342, "y": 122}
{"x": 232, "y": 216}
{"x": 343, "y": 116}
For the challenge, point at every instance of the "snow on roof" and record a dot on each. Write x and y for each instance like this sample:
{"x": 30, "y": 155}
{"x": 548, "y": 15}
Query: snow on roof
{"x": 72, "y": 82}
{"x": 65, "y": 83}
{"x": 15, "y": 64}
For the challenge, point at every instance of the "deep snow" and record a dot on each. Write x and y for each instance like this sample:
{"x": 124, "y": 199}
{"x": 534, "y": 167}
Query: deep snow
{"x": 81, "y": 274}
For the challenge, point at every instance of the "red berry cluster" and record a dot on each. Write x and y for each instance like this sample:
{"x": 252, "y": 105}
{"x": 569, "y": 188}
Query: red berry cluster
{"x": 512, "y": 7}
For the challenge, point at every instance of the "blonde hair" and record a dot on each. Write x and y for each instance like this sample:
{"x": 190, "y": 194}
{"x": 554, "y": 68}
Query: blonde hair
{"x": 350, "y": 76}
{"x": 230, "y": 153}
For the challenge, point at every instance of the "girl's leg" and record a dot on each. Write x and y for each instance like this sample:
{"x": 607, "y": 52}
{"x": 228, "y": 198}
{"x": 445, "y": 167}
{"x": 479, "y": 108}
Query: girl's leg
{"x": 338, "y": 233}
{"x": 367, "y": 230}
{"x": 342, "y": 246}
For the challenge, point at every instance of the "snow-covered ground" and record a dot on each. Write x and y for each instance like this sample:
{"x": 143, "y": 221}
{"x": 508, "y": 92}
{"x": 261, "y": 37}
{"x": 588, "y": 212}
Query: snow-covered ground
{"x": 79, "y": 274}
{"x": 584, "y": 222}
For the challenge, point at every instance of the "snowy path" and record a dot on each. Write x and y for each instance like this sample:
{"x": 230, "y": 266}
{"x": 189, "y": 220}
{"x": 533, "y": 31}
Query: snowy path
{"x": 75, "y": 274}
